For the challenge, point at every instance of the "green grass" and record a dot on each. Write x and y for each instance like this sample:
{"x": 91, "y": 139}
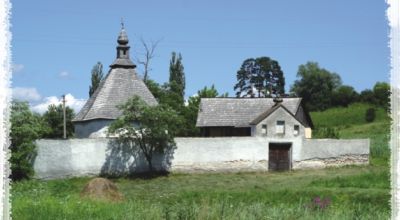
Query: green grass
{"x": 350, "y": 123}
{"x": 216, "y": 196}
{"x": 355, "y": 192}
{"x": 346, "y": 116}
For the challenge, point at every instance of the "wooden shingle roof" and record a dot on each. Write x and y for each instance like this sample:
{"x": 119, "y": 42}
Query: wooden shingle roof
{"x": 119, "y": 85}
{"x": 238, "y": 112}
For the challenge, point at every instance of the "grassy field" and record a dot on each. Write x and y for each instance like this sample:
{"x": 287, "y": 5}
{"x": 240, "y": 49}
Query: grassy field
{"x": 354, "y": 193}
{"x": 351, "y": 192}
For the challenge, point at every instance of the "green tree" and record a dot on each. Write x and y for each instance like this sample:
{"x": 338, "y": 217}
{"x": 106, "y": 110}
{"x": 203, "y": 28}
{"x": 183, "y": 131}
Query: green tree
{"x": 344, "y": 95}
{"x": 177, "y": 77}
{"x": 26, "y": 127}
{"x": 54, "y": 118}
{"x": 382, "y": 94}
{"x": 156, "y": 89}
{"x": 367, "y": 96}
{"x": 261, "y": 77}
{"x": 97, "y": 77}
{"x": 316, "y": 86}
{"x": 151, "y": 128}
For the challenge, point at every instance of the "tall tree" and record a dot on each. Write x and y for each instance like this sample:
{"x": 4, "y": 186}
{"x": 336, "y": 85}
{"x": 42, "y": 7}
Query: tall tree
{"x": 316, "y": 86}
{"x": 177, "y": 76}
{"x": 55, "y": 120}
{"x": 150, "y": 128}
{"x": 26, "y": 127}
{"x": 97, "y": 77}
{"x": 260, "y": 77}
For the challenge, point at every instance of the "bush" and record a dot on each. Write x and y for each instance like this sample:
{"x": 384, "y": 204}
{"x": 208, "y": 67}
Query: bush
{"x": 26, "y": 127}
{"x": 370, "y": 115}
{"x": 326, "y": 133}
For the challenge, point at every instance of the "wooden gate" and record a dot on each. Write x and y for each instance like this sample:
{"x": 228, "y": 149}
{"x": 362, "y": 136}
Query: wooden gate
{"x": 279, "y": 157}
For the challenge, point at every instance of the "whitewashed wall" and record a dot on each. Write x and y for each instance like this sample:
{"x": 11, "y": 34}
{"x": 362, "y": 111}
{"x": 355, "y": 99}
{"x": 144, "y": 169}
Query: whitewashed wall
{"x": 83, "y": 157}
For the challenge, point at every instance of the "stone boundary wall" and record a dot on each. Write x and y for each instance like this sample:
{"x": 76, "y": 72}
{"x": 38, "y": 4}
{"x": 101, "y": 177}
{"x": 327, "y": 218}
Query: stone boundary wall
{"x": 321, "y": 153}
{"x": 89, "y": 157}
{"x": 221, "y": 154}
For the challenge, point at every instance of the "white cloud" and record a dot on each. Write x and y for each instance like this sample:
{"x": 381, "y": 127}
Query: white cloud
{"x": 71, "y": 101}
{"x": 17, "y": 67}
{"x": 64, "y": 74}
{"x": 26, "y": 94}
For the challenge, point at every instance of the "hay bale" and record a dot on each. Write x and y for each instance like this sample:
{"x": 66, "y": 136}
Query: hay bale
{"x": 101, "y": 189}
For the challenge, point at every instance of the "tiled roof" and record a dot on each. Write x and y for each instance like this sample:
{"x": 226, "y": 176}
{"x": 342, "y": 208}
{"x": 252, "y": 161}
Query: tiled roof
{"x": 119, "y": 85}
{"x": 238, "y": 112}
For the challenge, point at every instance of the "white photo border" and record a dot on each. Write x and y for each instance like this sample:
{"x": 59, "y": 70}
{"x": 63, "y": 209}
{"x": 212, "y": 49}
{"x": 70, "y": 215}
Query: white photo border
{"x": 5, "y": 99}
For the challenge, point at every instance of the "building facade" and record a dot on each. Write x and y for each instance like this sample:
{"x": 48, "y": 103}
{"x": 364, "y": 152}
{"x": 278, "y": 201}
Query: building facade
{"x": 264, "y": 117}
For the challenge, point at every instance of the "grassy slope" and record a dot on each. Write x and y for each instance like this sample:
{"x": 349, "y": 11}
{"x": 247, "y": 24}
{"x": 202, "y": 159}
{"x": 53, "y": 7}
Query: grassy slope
{"x": 350, "y": 123}
{"x": 355, "y": 192}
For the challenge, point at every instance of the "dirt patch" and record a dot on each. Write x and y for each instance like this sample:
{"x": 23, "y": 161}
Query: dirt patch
{"x": 101, "y": 189}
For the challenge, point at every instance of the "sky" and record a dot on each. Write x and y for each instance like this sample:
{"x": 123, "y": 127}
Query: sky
{"x": 55, "y": 44}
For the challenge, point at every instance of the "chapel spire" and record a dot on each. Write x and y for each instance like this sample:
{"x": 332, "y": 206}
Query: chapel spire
{"x": 123, "y": 60}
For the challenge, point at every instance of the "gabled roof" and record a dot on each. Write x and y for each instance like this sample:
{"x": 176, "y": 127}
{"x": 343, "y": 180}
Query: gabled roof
{"x": 119, "y": 85}
{"x": 238, "y": 112}
{"x": 267, "y": 113}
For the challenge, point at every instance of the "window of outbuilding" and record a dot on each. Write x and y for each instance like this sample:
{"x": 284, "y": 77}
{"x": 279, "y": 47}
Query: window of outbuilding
{"x": 296, "y": 129}
{"x": 264, "y": 129}
{"x": 280, "y": 127}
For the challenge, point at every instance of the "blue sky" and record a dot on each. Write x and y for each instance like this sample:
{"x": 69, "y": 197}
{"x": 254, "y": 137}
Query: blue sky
{"x": 56, "y": 43}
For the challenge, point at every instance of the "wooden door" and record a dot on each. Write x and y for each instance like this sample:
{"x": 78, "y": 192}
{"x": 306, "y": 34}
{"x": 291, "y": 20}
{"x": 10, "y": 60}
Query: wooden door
{"x": 279, "y": 159}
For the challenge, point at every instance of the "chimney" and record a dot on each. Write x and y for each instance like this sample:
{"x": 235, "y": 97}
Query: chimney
{"x": 277, "y": 100}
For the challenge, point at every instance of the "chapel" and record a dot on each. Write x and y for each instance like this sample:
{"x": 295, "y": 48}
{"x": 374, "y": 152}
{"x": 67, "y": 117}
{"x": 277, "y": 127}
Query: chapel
{"x": 120, "y": 84}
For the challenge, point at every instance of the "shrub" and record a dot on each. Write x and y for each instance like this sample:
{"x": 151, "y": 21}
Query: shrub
{"x": 326, "y": 133}
{"x": 370, "y": 115}
{"x": 26, "y": 127}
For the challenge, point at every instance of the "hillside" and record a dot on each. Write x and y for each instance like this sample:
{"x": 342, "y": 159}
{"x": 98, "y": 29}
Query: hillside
{"x": 350, "y": 123}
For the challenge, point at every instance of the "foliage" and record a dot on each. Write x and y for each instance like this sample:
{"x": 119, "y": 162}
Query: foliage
{"x": 157, "y": 90}
{"x": 261, "y": 77}
{"x": 367, "y": 96}
{"x": 177, "y": 76}
{"x": 97, "y": 77}
{"x": 350, "y": 123}
{"x": 343, "y": 96}
{"x": 187, "y": 114}
{"x": 352, "y": 115}
{"x": 191, "y": 111}
{"x": 382, "y": 94}
{"x": 54, "y": 118}
{"x": 355, "y": 192}
{"x": 26, "y": 127}
{"x": 326, "y": 133}
{"x": 316, "y": 86}
{"x": 151, "y": 128}
{"x": 370, "y": 115}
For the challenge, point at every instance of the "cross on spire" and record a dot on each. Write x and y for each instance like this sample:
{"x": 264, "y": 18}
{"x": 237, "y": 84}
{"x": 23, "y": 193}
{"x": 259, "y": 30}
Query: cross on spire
{"x": 122, "y": 23}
